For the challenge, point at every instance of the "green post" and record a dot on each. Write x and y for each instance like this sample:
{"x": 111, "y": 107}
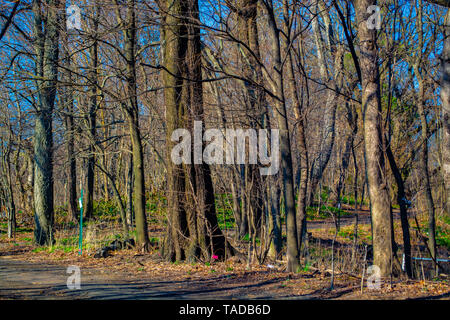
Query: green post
{"x": 80, "y": 243}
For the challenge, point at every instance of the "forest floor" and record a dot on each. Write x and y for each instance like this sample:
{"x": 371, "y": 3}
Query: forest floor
{"x": 27, "y": 272}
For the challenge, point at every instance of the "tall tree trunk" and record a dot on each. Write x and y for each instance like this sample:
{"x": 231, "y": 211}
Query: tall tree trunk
{"x": 71, "y": 169}
{"x": 423, "y": 154}
{"x": 67, "y": 100}
{"x": 132, "y": 111}
{"x": 91, "y": 117}
{"x": 237, "y": 196}
{"x": 236, "y": 205}
{"x": 445, "y": 97}
{"x": 129, "y": 190}
{"x": 356, "y": 176}
{"x": 29, "y": 207}
{"x": 138, "y": 185}
{"x": 423, "y": 167}
{"x": 274, "y": 221}
{"x": 255, "y": 100}
{"x": 244, "y": 225}
{"x": 292, "y": 251}
{"x": 6, "y": 185}
{"x": 11, "y": 214}
{"x": 328, "y": 134}
{"x": 46, "y": 49}
{"x": 345, "y": 160}
{"x": 193, "y": 231}
{"x": 373, "y": 141}
{"x": 403, "y": 203}
{"x": 349, "y": 149}
{"x": 123, "y": 213}
{"x": 299, "y": 116}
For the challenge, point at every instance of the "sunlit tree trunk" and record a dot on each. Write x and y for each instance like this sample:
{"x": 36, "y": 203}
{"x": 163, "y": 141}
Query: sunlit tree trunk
{"x": 445, "y": 97}
{"x": 373, "y": 141}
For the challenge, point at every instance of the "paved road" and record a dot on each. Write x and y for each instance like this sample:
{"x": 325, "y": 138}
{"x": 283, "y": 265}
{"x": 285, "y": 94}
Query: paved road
{"x": 348, "y": 220}
{"x": 22, "y": 280}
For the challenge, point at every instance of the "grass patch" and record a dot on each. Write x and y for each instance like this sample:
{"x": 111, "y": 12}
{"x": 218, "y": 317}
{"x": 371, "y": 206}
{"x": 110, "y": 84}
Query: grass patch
{"x": 442, "y": 231}
{"x": 246, "y": 238}
{"x": 313, "y": 213}
{"x": 69, "y": 241}
{"x": 224, "y": 210}
{"x": 348, "y": 233}
{"x": 39, "y": 249}
{"x": 154, "y": 241}
{"x": 350, "y": 200}
{"x": 443, "y": 237}
{"x": 226, "y": 221}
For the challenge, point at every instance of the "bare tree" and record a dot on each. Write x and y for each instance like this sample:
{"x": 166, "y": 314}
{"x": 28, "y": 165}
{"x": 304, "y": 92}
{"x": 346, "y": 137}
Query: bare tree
{"x": 46, "y": 32}
{"x": 286, "y": 168}
{"x": 193, "y": 231}
{"x": 373, "y": 141}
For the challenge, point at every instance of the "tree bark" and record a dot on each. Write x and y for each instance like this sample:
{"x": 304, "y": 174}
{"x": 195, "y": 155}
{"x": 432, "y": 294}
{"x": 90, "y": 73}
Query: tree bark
{"x": 423, "y": 154}
{"x": 46, "y": 49}
{"x": 91, "y": 116}
{"x": 129, "y": 191}
{"x": 255, "y": 102}
{"x": 373, "y": 141}
{"x": 299, "y": 117}
{"x": 292, "y": 251}
{"x": 6, "y": 185}
{"x": 132, "y": 112}
{"x": 403, "y": 203}
{"x": 193, "y": 231}
{"x": 445, "y": 97}
{"x": 328, "y": 134}
{"x": 67, "y": 100}
{"x": 274, "y": 221}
